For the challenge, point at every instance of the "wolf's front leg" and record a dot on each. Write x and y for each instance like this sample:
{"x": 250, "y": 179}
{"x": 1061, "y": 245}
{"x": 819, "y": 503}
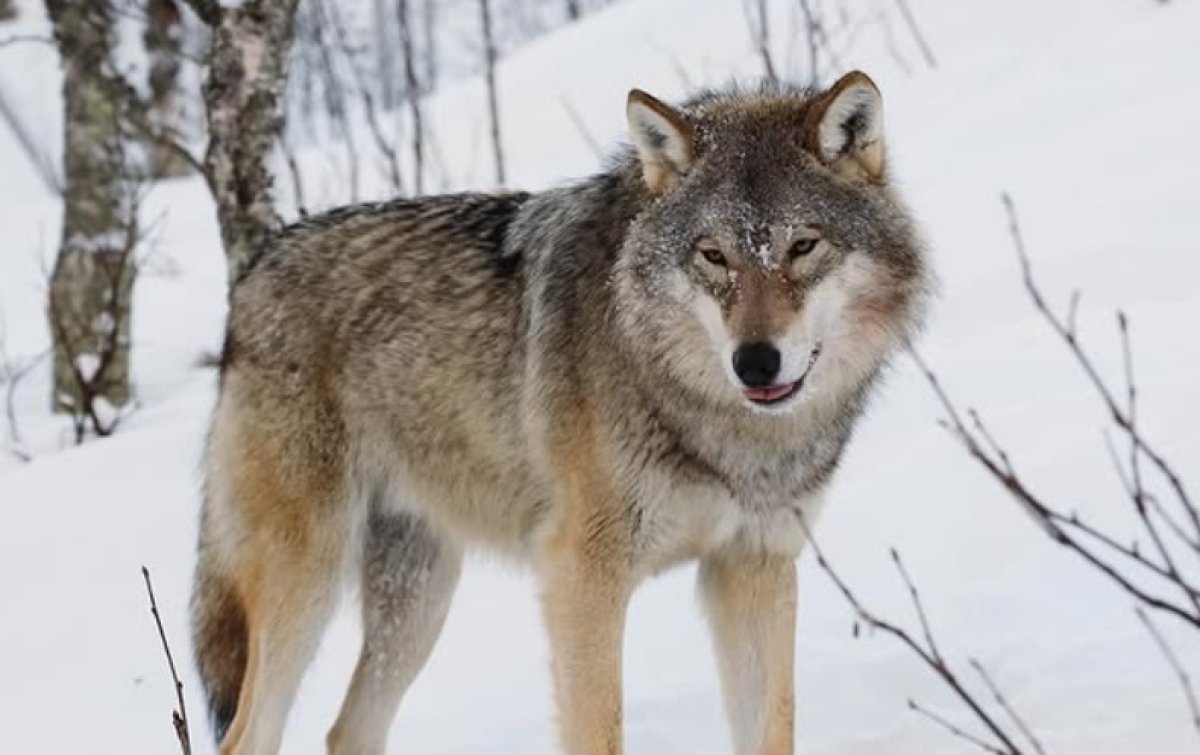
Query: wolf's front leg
{"x": 585, "y": 590}
{"x": 751, "y": 605}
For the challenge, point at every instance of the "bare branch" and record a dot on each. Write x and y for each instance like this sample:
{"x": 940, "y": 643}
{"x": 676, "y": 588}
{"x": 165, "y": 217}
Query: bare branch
{"x": 916, "y": 599}
{"x": 489, "y": 73}
{"x": 916, "y": 32}
{"x": 757, "y": 19}
{"x": 1184, "y": 680}
{"x": 17, "y": 39}
{"x": 812, "y": 32}
{"x": 914, "y": 706}
{"x": 582, "y": 128}
{"x": 179, "y": 717}
{"x": 930, "y": 656}
{"x": 1056, "y": 525}
{"x": 1118, "y": 415}
{"x": 43, "y": 164}
{"x": 1002, "y": 701}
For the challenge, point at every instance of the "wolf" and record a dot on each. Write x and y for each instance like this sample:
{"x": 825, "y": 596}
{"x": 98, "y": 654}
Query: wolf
{"x": 660, "y": 364}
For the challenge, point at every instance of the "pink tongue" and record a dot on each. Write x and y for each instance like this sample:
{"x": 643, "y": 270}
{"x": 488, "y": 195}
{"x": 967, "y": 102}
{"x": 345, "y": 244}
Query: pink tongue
{"x": 769, "y": 393}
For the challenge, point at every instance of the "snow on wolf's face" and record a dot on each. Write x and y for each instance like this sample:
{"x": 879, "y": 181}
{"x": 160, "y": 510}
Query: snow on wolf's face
{"x": 775, "y": 266}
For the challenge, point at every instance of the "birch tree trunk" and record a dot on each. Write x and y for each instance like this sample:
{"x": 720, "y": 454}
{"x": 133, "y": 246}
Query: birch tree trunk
{"x": 163, "y": 39}
{"x": 243, "y": 101}
{"x": 92, "y": 282}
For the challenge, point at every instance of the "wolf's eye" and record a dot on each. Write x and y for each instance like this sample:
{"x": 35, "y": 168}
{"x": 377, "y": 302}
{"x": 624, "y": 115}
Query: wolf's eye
{"x": 802, "y": 247}
{"x": 712, "y": 255}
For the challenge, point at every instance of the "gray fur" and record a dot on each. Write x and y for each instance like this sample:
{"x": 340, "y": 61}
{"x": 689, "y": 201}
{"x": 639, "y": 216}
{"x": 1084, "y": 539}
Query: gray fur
{"x": 440, "y": 357}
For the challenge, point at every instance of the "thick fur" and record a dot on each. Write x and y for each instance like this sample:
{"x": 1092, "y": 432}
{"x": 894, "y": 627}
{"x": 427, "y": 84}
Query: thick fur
{"x": 547, "y": 375}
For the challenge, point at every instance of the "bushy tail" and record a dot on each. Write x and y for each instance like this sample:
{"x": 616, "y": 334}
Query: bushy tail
{"x": 220, "y": 639}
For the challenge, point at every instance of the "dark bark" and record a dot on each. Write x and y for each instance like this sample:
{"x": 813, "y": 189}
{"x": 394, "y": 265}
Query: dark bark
{"x": 92, "y": 283}
{"x": 243, "y": 100}
{"x": 8, "y": 10}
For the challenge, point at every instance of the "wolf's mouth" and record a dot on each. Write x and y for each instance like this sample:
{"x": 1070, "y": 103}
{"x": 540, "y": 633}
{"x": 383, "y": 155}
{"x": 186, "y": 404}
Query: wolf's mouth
{"x": 777, "y": 394}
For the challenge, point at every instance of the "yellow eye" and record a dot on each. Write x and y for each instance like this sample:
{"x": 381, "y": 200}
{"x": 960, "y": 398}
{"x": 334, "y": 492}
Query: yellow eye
{"x": 713, "y": 256}
{"x": 802, "y": 247}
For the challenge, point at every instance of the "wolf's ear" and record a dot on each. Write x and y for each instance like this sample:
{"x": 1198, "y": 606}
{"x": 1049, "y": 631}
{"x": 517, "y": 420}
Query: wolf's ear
{"x": 844, "y": 127}
{"x": 663, "y": 138}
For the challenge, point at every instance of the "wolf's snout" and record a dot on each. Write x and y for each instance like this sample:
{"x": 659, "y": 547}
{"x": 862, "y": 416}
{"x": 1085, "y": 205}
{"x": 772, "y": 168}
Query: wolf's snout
{"x": 756, "y": 364}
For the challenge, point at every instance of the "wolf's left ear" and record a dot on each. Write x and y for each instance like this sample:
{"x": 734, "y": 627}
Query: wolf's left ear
{"x": 663, "y": 138}
{"x": 844, "y": 127}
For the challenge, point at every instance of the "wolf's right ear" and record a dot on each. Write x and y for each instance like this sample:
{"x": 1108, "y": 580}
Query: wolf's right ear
{"x": 663, "y": 138}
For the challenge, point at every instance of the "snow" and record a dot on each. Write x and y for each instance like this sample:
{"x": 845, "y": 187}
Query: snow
{"x": 1080, "y": 109}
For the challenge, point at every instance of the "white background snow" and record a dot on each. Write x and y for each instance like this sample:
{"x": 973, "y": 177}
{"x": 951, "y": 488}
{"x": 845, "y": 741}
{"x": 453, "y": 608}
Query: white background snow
{"x": 1085, "y": 110}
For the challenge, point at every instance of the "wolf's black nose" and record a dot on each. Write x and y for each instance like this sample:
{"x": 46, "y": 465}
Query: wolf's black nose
{"x": 756, "y": 364}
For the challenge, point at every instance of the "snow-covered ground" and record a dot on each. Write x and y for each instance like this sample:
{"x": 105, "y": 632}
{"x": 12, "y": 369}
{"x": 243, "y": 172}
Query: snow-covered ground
{"x": 1085, "y": 110}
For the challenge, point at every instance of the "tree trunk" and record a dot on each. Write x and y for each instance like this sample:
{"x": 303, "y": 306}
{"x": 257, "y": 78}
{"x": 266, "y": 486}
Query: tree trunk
{"x": 489, "y": 62}
{"x": 573, "y": 11}
{"x": 243, "y": 98}
{"x": 8, "y": 10}
{"x": 92, "y": 283}
{"x": 163, "y": 39}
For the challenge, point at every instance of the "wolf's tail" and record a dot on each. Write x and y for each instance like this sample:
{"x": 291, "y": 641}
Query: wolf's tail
{"x": 220, "y": 638}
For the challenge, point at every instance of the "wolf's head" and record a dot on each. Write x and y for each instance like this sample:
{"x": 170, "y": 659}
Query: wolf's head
{"x": 774, "y": 263}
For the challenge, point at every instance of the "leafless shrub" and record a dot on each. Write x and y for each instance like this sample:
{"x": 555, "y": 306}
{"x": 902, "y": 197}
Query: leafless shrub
{"x": 998, "y": 740}
{"x": 1160, "y": 577}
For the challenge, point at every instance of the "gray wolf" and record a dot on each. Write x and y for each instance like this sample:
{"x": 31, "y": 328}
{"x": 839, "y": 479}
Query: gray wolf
{"x": 660, "y": 364}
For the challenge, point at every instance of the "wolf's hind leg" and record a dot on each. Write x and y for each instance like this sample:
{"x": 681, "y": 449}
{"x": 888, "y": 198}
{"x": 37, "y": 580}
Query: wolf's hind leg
{"x": 751, "y": 605}
{"x": 289, "y": 590}
{"x": 408, "y": 579}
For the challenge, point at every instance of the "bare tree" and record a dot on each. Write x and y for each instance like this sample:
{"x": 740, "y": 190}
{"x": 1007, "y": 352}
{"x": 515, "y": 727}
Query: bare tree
{"x": 573, "y": 10}
{"x": 489, "y": 72}
{"x": 412, "y": 91}
{"x": 91, "y": 286}
{"x": 163, "y": 39}
{"x": 243, "y": 95}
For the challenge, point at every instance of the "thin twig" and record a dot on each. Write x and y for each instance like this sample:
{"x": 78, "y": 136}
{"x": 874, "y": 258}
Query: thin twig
{"x": 1184, "y": 680}
{"x": 179, "y": 719}
{"x": 1002, "y": 701}
{"x": 916, "y": 707}
{"x": 916, "y": 600}
{"x": 916, "y": 32}
{"x": 1118, "y": 415}
{"x": 929, "y": 656}
{"x": 17, "y": 39}
{"x": 1051, "y": 521}
{"x": 580, "y": 126}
